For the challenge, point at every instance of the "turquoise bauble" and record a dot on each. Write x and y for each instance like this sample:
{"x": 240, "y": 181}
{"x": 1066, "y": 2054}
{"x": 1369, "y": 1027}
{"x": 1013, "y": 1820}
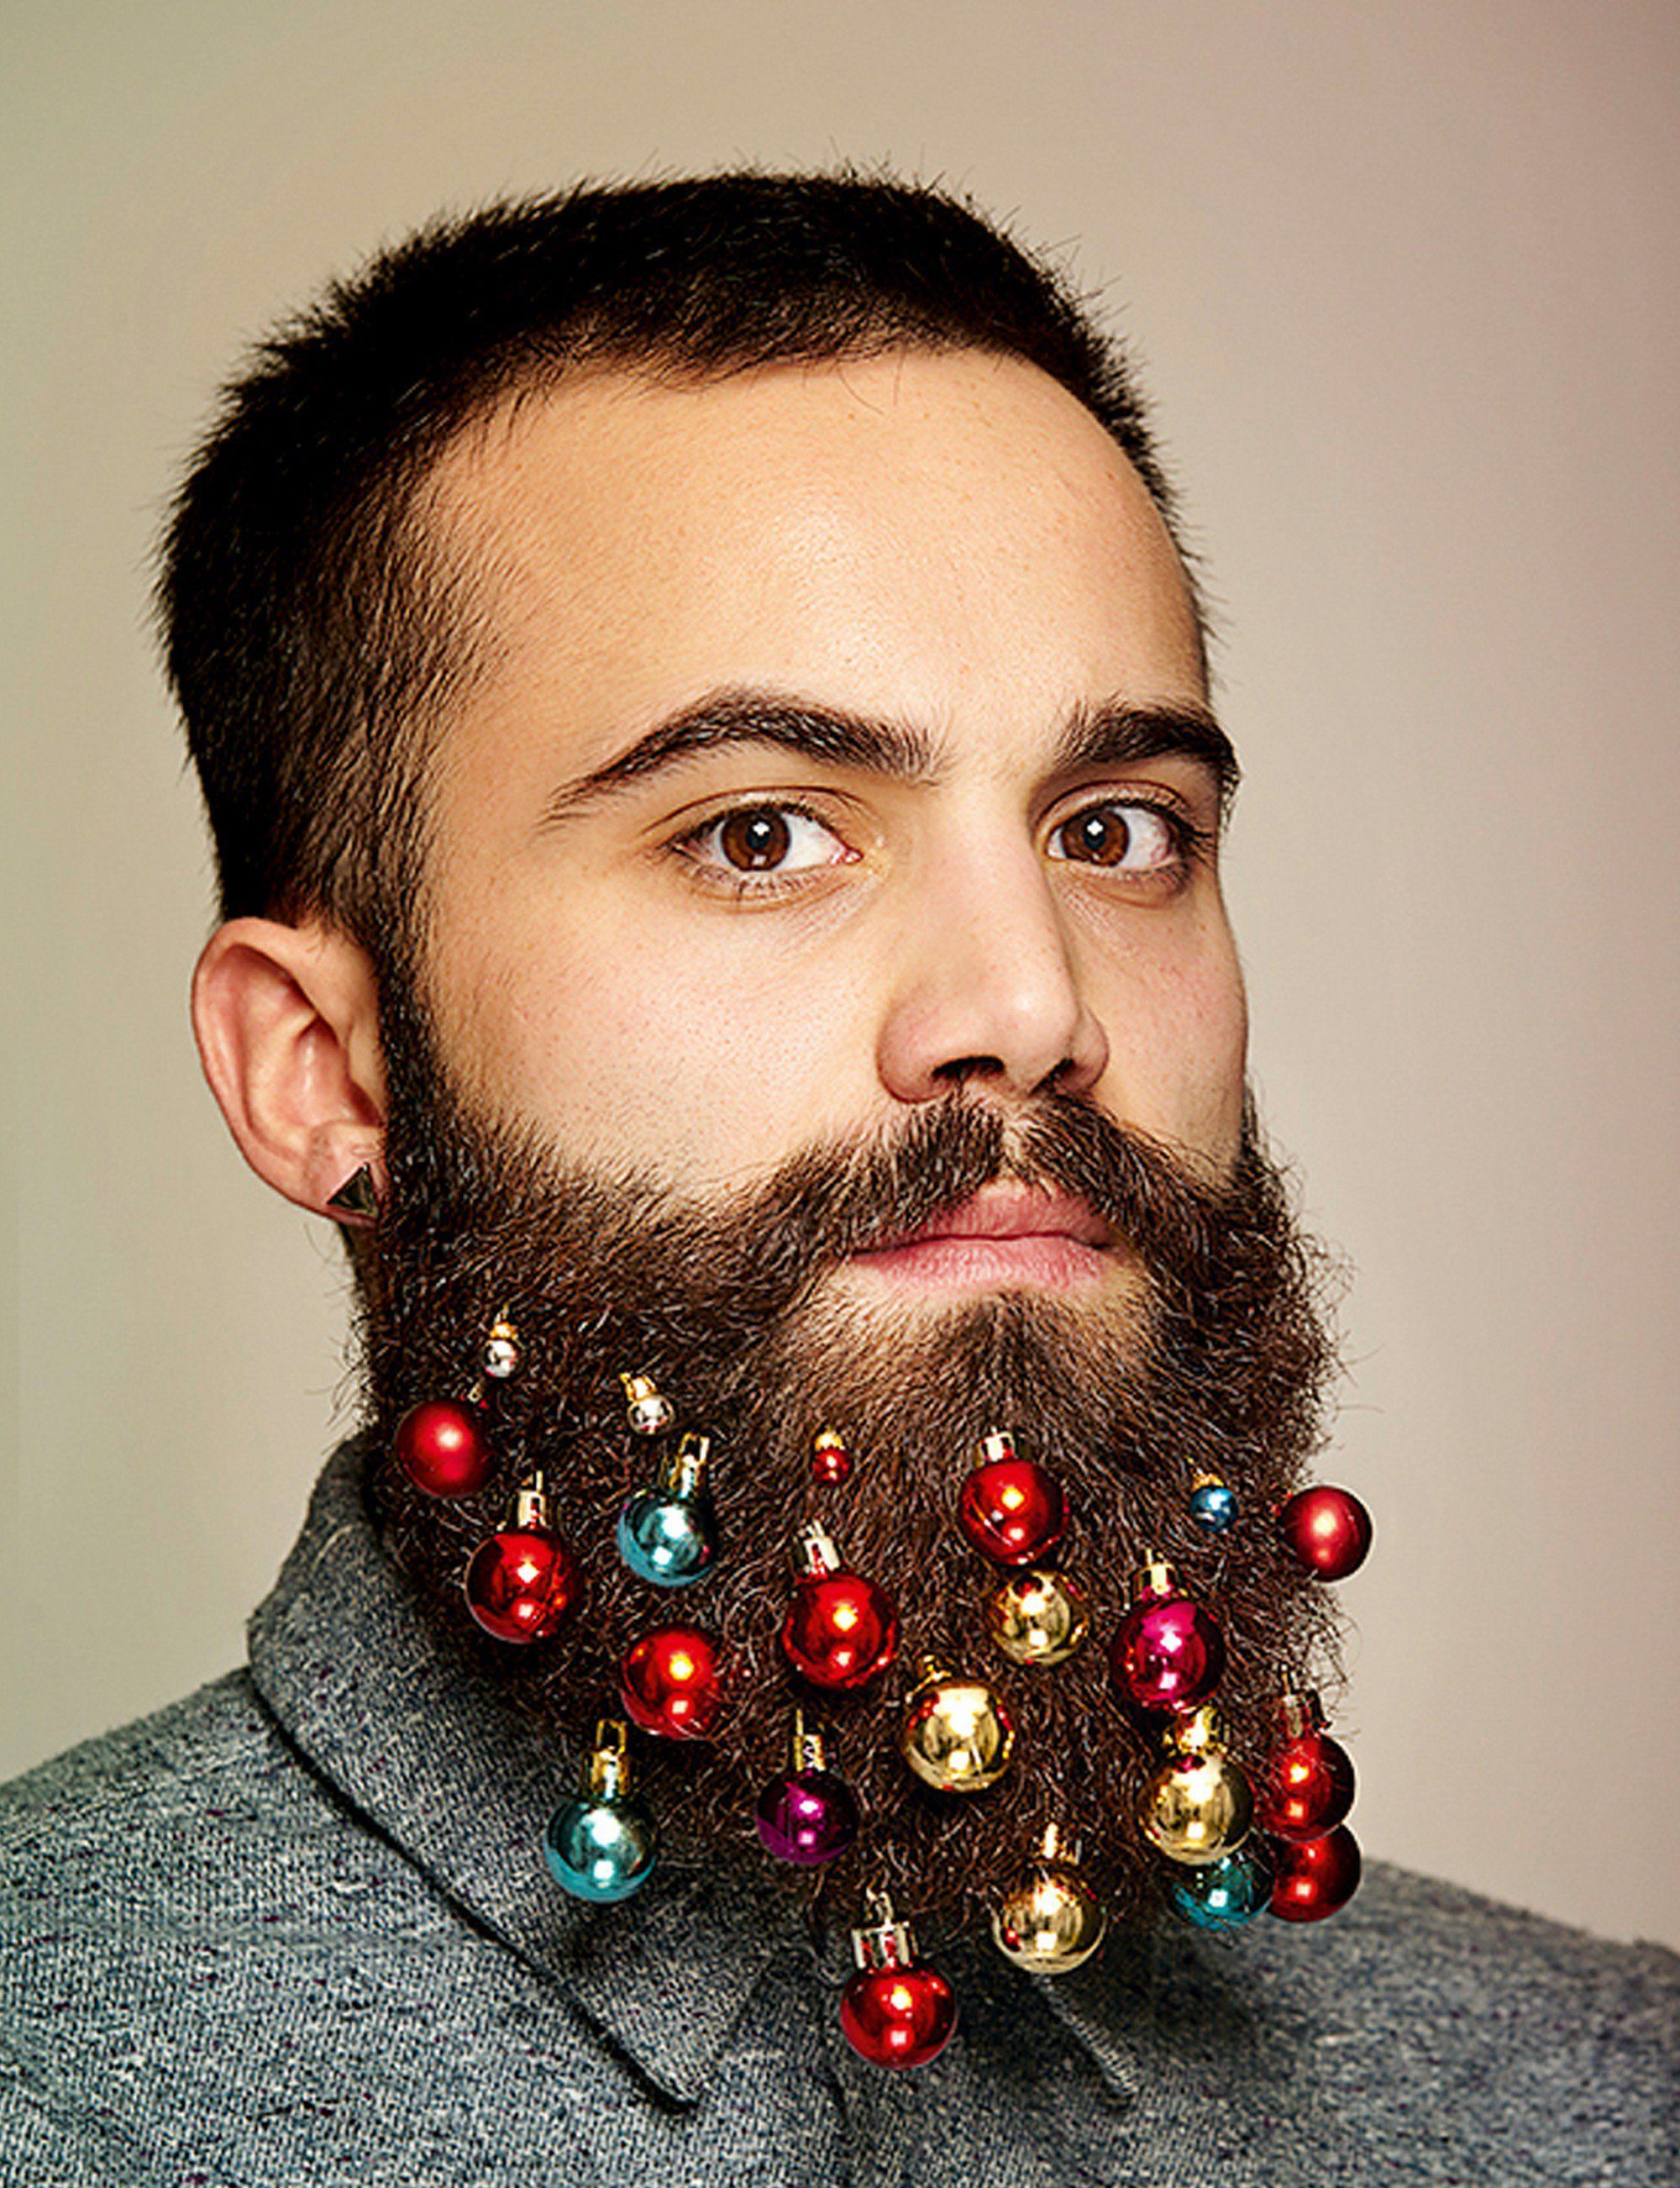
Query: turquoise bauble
{"x": 600, "y": 1850}
{"x": 1213, "y": 1507}
{"x": 667, "y": 1539}
{"x": 1225, "y": 1893}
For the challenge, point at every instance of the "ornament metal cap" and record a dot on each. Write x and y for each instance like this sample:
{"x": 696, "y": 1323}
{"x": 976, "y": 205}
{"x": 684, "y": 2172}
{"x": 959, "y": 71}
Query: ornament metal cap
{"x": 607, "y": 1777}
{"x": 530, "y": 1505}
{"x": 1299, "y": 1713}
{"x": 883, "y": 1940}
{"x": 815, "y": 1551}
{"x": 1154, "y": 1577}
{"x": 808, "y": 1748}
{"x": 995, "y": 1444}
{"x": 1195, "y": 1732}
{"x": 682, "y": 1472}
{"x": 357, "y": 1200}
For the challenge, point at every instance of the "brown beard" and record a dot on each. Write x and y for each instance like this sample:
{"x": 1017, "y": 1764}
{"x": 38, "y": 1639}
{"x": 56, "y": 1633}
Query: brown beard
{"x": 1220, "y": 1364}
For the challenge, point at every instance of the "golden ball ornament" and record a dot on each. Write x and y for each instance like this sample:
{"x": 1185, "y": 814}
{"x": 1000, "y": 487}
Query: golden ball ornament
{"x": 1197, "y": 1808}
{"x": 1050, "y": 1922}
{"x": 957, "y": 1736}
{"x": 1038, "y": 1617}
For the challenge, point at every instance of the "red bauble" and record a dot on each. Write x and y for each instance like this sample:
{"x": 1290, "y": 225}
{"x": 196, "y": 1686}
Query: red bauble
{"x": 442, "y": 1448}
{"x": 1313, "y": 1880}
{"x": 1306, "y": 1789}
{"x": 1169, "y": 1654}
{"x": 830, "y": 1462}
{"x": 1012, "y": 1510}
{"x": 898, "y": 2016}
{"x": 522, "y": 1584}
{"x": 1327, "y": 1529}
{"x": 840, "y": 1630}
{"x": 670, "y": 1683}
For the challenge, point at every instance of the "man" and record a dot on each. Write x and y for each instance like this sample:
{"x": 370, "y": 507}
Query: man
{"x": 705, "y": 722}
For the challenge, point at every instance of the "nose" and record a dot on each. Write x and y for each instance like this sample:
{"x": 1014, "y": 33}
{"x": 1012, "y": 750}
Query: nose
{"x": 986, "y": 991}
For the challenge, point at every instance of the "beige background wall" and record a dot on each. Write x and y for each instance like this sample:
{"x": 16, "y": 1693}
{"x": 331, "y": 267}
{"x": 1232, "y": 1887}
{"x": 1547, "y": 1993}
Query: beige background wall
{"x": 1403, "y": 275}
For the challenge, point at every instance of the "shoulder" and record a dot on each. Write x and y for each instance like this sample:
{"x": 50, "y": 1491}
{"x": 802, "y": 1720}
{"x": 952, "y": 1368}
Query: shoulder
{"x": 1452, "y": 2032}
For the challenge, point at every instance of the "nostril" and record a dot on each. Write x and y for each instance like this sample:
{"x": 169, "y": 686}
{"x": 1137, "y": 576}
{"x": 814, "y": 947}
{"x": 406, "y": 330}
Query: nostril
{"x": 961, "y": 1068}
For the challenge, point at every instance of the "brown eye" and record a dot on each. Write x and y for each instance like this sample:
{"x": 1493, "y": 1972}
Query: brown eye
{"x": 755, "y": 838}
{"x": 1136, "y": 839}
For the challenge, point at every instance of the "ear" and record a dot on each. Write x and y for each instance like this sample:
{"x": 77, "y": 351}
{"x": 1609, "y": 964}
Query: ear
{"x": 287, "y": 1024}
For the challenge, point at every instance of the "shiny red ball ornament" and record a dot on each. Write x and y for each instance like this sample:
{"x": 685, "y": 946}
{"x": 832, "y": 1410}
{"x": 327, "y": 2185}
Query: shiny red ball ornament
{"x": 1169, "y": 1653}
{"x": 1306, "y": 1789}
{"x": 898, "y": 2016}
{"x": 1327, "y": 1529}
{"x": 830, "y": 1461}
{"x": 1313, "y": 1879}
{"x": 442, "y": 1448}
{"x": 1011, "y": 1510}
{"x": 670, "y": 1683}
{"x": 841, "y": 1629}
{"x": 522, "y": 1584}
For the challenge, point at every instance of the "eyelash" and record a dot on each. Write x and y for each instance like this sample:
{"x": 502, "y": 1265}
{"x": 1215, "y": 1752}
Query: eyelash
{"x": 1191, "y": 845}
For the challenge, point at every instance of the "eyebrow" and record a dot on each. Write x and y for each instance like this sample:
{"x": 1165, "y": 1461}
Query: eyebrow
{"x": 1114, "y": 734}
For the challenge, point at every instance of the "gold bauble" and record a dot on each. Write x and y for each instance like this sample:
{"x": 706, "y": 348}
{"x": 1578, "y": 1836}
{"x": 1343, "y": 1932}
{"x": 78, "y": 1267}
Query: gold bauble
{"x": 1039, "y": 1618}
{"x": 1197, "y": 1808}
{"x": 1050, "y": 1922}
{"x": 957, "y": 1737}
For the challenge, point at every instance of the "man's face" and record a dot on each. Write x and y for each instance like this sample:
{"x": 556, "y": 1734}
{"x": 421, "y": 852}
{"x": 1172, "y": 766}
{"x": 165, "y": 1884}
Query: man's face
{"x": 894, "y": 625}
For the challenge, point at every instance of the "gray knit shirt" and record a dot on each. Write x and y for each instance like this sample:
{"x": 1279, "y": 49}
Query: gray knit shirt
{"x": 297, "y": 1929}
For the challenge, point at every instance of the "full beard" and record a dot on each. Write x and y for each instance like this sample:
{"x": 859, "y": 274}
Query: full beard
{"x": 1216, "y": 1360}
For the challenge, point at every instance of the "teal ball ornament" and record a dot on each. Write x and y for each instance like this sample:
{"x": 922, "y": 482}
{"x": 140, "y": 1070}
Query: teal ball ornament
{"x": 667, "y": 1540}
{"x": 1213, "y": 1504}
{"x": 1225, "y": 1893}
{"x": 600, "y": 1846}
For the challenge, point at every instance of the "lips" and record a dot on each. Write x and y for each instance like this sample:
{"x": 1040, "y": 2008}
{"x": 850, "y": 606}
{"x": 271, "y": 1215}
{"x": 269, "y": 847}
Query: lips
{"x": 1006, "y": 1234}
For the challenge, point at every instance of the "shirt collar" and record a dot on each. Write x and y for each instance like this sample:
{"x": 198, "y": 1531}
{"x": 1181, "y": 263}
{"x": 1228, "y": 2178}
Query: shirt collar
{"x": 426, "y": 1746}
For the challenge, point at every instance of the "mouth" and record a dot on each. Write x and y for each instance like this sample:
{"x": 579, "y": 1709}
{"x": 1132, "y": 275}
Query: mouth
{"x": 1008, "y": 1235}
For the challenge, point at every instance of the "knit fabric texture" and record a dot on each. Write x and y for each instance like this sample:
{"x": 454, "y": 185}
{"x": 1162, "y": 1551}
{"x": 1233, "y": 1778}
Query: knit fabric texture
{"x": 297, "y": 1929}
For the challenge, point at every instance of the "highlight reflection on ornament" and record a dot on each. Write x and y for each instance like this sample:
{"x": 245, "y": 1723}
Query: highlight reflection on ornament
{"x": 806, "y": 1815}
{"x": 601, "y": 1846}
{"x": 1050, "y": 1922}
{"x": 1225, "y": 1893}
{"x": 1038, "y": 1618}
{"x": 1169, "y": 1653}
{"x": 957, "y": 1737}
{"x": 667, "y": 1535}
{"x": 522, "y": 1583}
{"x": 895, "y": 2011}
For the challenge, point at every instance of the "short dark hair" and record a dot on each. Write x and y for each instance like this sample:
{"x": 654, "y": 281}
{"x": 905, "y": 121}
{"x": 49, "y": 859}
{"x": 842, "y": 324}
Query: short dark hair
{"x": 313, "y": 628}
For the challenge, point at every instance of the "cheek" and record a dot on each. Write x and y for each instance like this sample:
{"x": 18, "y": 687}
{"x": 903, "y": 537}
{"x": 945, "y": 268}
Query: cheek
{"x": 1177, "y": 1028}
{"x": 704, "y": 1065}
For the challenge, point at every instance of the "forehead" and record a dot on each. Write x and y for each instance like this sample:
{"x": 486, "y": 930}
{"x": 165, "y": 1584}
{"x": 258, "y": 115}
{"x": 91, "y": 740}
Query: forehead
{"x": 946, "y": 537}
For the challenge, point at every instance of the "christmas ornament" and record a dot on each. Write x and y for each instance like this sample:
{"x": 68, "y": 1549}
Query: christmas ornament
{"x": 1197, "y": 1807}
{"x": 523, "y": 1583}
{"x": 830, "y": 1461}
{"x": 650, "y": 1410}
{"x": 1327, "y": 1529}
{"x": 957, "y": 1737}
{"x": 600, "y": 1846}
{"x": 1011, "y": 1510}
{"x": 1315, "y": 1878}
{"x": 666, "y": 1534}
{"x": 1169, "y": 1653}
{"x": 1213, "y": 1503}
{"x": 1050, "y": 1922}
{"x": 502, "y": 1353}
{"x": 668, "y": 1684}
{"x": 1307, "y": 1786}
{"x": 443, "y": 1447}
{"x": 1038, "y": 1618}
{"x": 1224, "y": 1894}
{"x": 841, "y": 1630}
{"x": 895, "y": 2011}
{"x": 807, "y": 1815}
